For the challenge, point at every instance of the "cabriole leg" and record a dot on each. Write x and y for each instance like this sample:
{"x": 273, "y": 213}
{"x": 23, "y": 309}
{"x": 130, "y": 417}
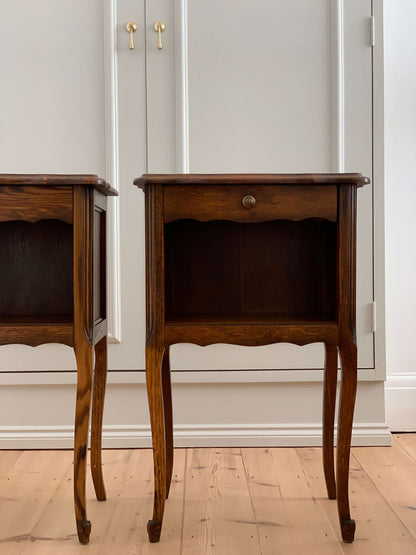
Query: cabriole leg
{"x": 348, "y": 352}
{"x": 330, "y": 393}
{"x": 154, "y": 355}
{"x": 100, "y": 378}
{"x": 167, "y": 408}
{"x": 84, "y": 357}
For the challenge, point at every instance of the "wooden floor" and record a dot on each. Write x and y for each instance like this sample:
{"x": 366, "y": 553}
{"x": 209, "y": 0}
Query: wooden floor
{"x": 222, "y": 501}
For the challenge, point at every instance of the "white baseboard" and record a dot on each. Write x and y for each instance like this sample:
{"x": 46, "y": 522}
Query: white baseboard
{"x": 400, "y": 393}
{"x": 217, "y": 435}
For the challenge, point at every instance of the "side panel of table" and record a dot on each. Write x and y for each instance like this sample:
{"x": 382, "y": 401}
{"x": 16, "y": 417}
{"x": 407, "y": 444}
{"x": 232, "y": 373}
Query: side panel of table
{"x": 90, "y": 329}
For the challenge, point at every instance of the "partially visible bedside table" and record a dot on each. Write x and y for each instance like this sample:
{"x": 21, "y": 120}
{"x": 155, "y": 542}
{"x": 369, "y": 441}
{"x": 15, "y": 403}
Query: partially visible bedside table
{"x": 53, "y": 290}
{"x": 252, "y": 260}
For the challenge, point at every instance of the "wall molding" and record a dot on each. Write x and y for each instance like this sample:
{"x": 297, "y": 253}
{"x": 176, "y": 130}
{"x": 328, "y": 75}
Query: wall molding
{"x": 401, "y": 380}
{"x": 400, "y": 391}
{"x": 337, "y": 85}
{"x": 112, "y": 171}
{"x": 130, "y": 377}
{"x": 201, "y": 435}
{"x": 378, "y": 194}
{"x": 182, "y": 86}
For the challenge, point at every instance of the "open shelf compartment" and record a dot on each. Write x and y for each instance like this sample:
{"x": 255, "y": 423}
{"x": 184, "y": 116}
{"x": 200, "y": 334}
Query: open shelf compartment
{"x": 225, "y": 272}
{"x": 36, "y": 273}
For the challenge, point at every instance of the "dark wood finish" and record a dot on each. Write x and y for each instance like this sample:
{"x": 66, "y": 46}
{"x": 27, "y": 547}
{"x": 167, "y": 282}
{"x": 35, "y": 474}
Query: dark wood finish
{"x": 34, "y": 331}
{"x": 224, "y": 202}
{"x": 328, "y": 418}
{"x": 31, "y": 203}
{"x": 348, "y": 353}
{"x": 155, "y": 303}
{"x": 167, "y": 413}
{"x": 99, "y": 260}
{"x": 100, "y": 378}
{"x": 303, "y": 283}
{"x": 83, "y": 345}
{"x": 347, "y": 203}
{"x": 252, "y": 335}
{"x": 39, "y": 257}
{"x": 283, "y": 270}
{"x": 51, "y": 179}
{"x": 251, "y": 179}
{"x": 154, "y": 354}
{"x": 84, "y": 357}
{"x": 52, "y": 290}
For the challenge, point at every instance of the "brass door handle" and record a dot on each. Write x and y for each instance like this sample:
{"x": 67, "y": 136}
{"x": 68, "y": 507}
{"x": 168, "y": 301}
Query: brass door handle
{"x": 159, "y": 28}
{"x": 131, "y": 28}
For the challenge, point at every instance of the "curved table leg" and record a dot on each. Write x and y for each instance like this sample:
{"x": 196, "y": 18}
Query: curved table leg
{"x": 154, "y": 355}
{"x": 348, "y": 352}
{"x": 100, "y": 378}
{"x": 330, "y": 393}
{"x": 84, "y": 357}
{"x": 167, "y": 410}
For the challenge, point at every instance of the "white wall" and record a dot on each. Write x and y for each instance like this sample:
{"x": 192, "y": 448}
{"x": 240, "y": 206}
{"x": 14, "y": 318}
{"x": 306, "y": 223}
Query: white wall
{"x": 39, "y": 73}
{"x": 400, "y": 206}
{"x": 50, "y": 121}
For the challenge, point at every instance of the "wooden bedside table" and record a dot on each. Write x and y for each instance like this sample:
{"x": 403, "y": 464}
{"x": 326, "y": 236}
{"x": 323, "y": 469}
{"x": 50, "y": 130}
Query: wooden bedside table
{"x": 53, "y": 290}
{"x": 252, "y": 260}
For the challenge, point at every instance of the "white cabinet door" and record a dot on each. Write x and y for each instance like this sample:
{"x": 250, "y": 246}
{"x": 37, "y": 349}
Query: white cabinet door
{"x": 265, "y": 86}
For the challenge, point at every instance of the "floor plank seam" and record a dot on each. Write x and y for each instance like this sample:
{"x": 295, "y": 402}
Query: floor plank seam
{"x": 386, "y": 476}
{"x": 251, "y": 501}
{"x": 31, "y": 537}
{"x": 319, "y": 500}
{"x": 183, "y": 499}
{"x": 363, "y": 466}
{"x": 404, "y": 448}
{"x": 116, "y": 502}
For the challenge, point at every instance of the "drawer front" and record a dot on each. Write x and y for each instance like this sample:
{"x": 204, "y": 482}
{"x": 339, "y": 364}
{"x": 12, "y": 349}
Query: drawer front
{"x": 250, "y": 203}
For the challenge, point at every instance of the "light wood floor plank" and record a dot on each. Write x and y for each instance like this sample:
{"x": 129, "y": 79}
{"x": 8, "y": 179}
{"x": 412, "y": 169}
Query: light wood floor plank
{"x": 56, "y": 529}
{"x": 126, "y": 533}
{"x": 222, "y": 502}
{"x": 7, "y": 460}
{"x": 407, "y": 442}
{"x": 393, "y": 473}
{"x": 218, "y": 516}
{"x": 283, "y": 503}
{"x": 378, "y": 531}
{"x": 31, "y": 483}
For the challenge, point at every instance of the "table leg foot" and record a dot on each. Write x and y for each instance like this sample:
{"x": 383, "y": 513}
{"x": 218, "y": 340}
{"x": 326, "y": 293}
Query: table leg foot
{"x": 348, "y": 530}
{"x": 154, "y": 528}
{"x": 84, "y": 531}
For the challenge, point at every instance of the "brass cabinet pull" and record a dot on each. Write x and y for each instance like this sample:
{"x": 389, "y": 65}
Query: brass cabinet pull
{"x": 248, "y": 201}
{"x": 159, "y": 28}
{"x": 131, "y": 28}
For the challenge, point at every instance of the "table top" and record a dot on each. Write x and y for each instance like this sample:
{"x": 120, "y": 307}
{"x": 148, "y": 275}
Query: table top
{"x": 14, "y": 179}
{"x": 253, "y": 179}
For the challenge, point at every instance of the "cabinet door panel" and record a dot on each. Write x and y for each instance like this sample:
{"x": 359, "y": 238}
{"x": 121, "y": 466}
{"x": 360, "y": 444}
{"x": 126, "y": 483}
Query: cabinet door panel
{"x": 268, "y": 86}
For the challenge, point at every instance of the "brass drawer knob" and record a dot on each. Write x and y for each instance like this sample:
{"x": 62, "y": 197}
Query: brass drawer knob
{"x": 248, "y": 201}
